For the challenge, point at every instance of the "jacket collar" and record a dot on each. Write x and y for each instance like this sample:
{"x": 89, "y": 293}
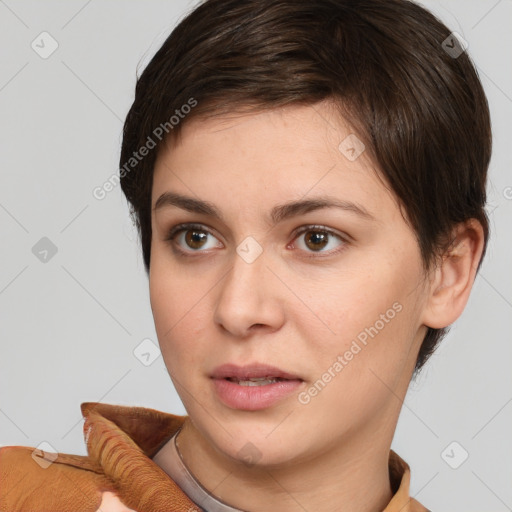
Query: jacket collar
{"x": 121, "y": 440}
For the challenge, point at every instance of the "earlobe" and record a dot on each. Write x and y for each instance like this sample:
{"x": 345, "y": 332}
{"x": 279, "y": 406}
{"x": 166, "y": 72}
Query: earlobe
{"x": 453, "y": 278}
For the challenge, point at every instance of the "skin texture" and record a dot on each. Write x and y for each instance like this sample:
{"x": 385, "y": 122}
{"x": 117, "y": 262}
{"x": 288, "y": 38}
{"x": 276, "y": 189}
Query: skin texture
{"x": 292, "y": 311}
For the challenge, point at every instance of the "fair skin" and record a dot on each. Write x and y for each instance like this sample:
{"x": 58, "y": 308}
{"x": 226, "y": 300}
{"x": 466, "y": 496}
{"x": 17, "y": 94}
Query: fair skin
{"x": 297, "y": 306}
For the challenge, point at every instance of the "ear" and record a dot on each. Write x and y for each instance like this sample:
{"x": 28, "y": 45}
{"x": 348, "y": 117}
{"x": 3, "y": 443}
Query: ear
{"x": 451, "y": 281}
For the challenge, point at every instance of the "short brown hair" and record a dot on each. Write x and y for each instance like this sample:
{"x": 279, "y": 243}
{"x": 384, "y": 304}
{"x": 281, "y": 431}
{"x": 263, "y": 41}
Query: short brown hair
{"x": 419, "y": 108}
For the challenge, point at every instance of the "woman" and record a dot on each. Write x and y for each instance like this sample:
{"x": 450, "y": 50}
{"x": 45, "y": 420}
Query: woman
{"x": 308, "y": 180}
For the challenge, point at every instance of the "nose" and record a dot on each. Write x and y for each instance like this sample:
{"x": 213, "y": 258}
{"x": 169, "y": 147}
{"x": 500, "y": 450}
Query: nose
{"x": 249, "y": 298}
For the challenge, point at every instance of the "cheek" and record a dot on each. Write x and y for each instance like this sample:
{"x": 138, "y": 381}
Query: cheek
{"x": 372, "y": 315}
{"x": 180, "y": 305}
{"x": 358, "y": 368}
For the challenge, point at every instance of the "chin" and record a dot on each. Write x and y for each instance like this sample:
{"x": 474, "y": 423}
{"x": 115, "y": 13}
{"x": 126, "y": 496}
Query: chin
{"x": 254, "y": 442}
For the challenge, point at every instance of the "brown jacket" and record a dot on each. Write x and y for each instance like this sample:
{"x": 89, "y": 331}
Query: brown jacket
{"x": 118, "y": 473}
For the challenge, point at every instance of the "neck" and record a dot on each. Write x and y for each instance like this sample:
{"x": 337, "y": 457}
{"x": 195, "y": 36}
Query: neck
{"x": 347, "y": 477}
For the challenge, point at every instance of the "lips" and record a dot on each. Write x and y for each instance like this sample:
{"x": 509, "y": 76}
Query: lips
{"x": 252, "y": 372}
{"x": 253, "y": 387}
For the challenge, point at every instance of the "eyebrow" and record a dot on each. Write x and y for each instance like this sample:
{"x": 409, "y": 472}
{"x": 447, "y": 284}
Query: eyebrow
{"x": 278, "y": 213}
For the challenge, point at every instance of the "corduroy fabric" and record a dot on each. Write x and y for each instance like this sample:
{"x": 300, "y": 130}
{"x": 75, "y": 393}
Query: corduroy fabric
{"x": 121, "y": 440}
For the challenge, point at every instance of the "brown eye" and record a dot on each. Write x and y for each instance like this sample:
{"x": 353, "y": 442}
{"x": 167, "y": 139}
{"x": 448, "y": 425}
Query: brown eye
{"x": 317, "y": 238}
{"x": 195, "y": 239}
{"x": 192, "y": 238}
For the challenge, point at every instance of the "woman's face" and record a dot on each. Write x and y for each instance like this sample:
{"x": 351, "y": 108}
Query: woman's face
{"x": 287, "y": 330}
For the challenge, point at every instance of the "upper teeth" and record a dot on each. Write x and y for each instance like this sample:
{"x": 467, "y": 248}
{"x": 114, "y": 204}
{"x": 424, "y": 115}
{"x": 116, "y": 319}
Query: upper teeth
{"x": 255, "y": 381}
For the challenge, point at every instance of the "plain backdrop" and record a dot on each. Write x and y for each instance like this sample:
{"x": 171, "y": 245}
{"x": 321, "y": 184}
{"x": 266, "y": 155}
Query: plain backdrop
{"x": 74, "y": 299}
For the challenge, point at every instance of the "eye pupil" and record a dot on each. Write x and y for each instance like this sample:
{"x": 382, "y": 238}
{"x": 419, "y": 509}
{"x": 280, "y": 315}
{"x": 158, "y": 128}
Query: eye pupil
{"x": 194, "y": 237}
{"x": 318, "y": 239}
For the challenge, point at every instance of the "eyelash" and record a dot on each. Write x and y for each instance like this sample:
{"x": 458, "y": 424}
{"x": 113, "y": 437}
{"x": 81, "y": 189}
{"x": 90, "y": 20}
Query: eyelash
{"x": 174, "y": 231}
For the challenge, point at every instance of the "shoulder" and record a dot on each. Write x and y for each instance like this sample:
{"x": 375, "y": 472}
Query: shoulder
{"x": 37, "y": 481}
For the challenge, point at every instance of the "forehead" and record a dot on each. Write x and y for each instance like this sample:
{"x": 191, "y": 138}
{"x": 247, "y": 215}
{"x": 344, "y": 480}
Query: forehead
{"x": 262, "y": 158}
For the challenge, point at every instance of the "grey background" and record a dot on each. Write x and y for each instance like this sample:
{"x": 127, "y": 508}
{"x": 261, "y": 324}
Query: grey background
{"x": 70, "y": 325}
